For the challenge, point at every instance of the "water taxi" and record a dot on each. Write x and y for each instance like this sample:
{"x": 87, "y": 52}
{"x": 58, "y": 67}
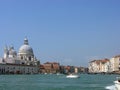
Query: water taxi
{"x": 72, "y": 76}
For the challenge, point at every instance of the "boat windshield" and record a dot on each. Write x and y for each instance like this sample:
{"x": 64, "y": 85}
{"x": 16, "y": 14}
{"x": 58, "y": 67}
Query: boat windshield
{"x": 118, "y": 78}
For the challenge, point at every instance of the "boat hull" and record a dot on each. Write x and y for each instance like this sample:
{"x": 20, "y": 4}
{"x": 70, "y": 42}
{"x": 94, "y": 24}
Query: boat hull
{"x": 72, "y": 76}
{"x": 117, "y": 85}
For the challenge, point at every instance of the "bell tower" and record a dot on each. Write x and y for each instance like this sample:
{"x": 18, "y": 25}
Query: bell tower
{"x": 6, "y": 52}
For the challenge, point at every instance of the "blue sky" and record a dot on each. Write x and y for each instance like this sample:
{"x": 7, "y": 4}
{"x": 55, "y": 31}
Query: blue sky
{"x": 72, "y": 32}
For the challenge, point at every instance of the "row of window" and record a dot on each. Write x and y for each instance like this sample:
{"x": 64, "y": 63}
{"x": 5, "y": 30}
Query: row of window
{"x": 3, "y": 70}
{"x": 28, "y": 58}
{"x": 9, "y": 68}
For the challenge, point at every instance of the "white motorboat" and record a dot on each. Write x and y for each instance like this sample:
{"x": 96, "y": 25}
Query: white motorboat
{"x": 117, "y": 83}
{"x": 72, "y": 76}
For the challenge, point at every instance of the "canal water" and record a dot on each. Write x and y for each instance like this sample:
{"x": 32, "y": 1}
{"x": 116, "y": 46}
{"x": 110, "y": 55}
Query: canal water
{"x": 57, "y": 82}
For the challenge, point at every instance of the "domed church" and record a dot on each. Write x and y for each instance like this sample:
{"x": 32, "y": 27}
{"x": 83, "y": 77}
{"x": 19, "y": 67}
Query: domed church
{"x": 24, "y": 60}
{"x": 26, "y": 54}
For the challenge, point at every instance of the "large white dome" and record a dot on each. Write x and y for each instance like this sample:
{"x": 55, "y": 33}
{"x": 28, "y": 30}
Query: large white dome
{"x": 26, "y": 49}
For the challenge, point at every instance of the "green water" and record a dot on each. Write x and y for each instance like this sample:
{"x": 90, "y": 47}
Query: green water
{"x": 56, "y": 82}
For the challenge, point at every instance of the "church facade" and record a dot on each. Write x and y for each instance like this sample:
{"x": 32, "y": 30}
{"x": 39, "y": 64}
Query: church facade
{"x": 23, "y": 62}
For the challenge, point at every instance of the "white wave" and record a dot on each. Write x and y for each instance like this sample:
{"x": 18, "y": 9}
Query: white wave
{"x": 112, "y": 87}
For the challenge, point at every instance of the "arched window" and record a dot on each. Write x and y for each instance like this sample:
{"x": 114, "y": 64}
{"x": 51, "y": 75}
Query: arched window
{"x": 30, "y": 58}
{"x": 22, "y": 57}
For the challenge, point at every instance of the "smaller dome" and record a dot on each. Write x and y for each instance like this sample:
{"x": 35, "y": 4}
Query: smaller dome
{"x": 12, "y": 51}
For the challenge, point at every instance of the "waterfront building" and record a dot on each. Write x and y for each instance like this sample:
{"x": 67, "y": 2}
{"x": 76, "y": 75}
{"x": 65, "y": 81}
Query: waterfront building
{"x": 99, "y": 66}
{"x": 93, "y": 66}
{"x": 69, "y": 69}
{"x": 23, "y": 62}
{"x": 104, "y": 65}
{"x": 50, "y": 67}
{"x": 76, "y": 69}
{"x": 115, "y": 63}
{"x": 82, "y": 70}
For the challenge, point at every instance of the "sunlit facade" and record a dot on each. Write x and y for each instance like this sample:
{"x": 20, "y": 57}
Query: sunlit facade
{"x": 23, "y": 62}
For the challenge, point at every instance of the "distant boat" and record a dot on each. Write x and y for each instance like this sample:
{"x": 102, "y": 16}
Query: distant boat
{"x": 45, "y": 73}
{"x": 72, "y": 76}
{"x": 117, "y": 83}
{"x": 58, "y": 74}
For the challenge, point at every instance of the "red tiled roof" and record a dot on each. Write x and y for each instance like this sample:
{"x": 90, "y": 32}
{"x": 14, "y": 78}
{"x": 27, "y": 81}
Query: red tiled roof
{"x": 117, "y": 56}
{"x": 100, "y": 61}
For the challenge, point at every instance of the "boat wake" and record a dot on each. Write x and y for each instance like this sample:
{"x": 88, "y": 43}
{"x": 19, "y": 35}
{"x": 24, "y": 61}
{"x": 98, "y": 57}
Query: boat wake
{"x": 112, "y": 87}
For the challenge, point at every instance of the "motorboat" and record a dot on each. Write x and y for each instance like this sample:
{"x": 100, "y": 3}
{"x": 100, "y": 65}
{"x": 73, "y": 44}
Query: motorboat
{"x": 117, "y": 83}
{"x": 72, "y": 76}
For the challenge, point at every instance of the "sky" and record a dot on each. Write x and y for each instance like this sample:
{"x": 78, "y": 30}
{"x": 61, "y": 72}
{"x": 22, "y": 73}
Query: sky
{"x": 71, "y": 32}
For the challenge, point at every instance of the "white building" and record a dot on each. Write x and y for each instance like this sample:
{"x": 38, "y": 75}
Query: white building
{"x": 115, "y": 63}
{"x": 22, "y": 62}
{"x": 99, "y": 66}
{"x": 94, "y": 66}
